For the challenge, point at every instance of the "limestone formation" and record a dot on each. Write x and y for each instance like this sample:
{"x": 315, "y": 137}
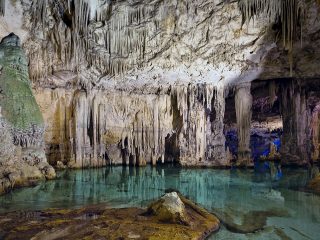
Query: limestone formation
{"x": 22, "y": 157}
{"x": 288, "y": 13}
{"x": 183, "y": 124}
{"x": 243, "y": 100}
{"x": 116, "y": 37}
{"x": 273, "y": 154}
{"x": 169, "y": 208}
{"x": 296, "y": 124}
{"x": 137, "y": 82}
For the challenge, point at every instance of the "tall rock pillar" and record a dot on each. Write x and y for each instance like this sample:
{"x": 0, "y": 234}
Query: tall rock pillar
{"x": 243, "y": 105}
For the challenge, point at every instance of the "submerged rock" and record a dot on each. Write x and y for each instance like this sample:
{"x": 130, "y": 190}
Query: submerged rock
{"x": 98, "y": 222}
{"x": 250, "y": 222}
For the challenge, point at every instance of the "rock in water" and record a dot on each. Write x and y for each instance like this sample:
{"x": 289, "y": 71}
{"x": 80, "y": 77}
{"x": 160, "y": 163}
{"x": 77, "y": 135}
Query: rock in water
{"x": 22, "y": 156}
{"x": 169, "y": 208}
{"x": 99, "y": 222}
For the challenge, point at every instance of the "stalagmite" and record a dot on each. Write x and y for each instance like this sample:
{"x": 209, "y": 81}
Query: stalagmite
{"x": 22, "y": 155}
{"x": 243, "y": 105}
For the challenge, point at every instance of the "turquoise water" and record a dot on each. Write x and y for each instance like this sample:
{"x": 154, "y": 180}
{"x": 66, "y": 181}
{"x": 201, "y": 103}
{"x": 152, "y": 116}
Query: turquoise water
{"x": 232, "y": 192}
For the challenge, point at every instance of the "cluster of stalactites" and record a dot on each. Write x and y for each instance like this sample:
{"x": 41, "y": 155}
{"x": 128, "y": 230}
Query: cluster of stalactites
{"x": 289, "y": 13}
{"x": 65, "y": 41}
{"x": 71, "y": 41}
{"x": 117, "y": 128}
{"x": 83, "y": 9}
{"x": 139, "y": 135}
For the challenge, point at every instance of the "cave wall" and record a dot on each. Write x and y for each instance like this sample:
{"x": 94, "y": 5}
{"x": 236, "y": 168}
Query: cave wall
{"x": 92, "y": 62}
{"x": 182, "y": 124}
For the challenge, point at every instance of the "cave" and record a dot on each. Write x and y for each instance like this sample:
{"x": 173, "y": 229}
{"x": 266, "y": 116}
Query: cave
{"x": 152, "y": 119}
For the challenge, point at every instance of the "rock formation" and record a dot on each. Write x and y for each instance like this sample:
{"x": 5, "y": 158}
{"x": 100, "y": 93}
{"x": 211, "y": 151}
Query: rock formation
{"x": 136, "y": 82}
{"x": 105, "y": 127}
{"x": 300, "y": 140}
{"x": 22, "y": 157}
{"x": 243, "y": 101}
{"x": 169, "y": 208}
{"x": 99, "y": 222}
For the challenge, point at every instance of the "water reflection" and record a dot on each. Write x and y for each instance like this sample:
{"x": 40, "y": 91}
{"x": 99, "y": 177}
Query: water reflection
{"x": 235, "y": 192}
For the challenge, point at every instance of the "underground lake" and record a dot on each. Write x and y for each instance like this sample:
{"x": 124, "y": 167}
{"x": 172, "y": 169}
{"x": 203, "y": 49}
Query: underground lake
{"x": 251, "y": 203}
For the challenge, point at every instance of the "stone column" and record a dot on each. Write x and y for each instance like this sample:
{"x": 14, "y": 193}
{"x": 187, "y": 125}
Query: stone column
{"x": 243, "y": 105}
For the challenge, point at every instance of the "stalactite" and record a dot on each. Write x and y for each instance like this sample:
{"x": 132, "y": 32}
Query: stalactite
{"x": 289, "y": 13}
{"x": 243, "y": 105}
{"x": 68, "y": 47}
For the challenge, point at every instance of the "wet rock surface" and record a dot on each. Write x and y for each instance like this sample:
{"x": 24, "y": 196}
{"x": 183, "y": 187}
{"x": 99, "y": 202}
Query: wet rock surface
{"x": 99, "y": 222}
